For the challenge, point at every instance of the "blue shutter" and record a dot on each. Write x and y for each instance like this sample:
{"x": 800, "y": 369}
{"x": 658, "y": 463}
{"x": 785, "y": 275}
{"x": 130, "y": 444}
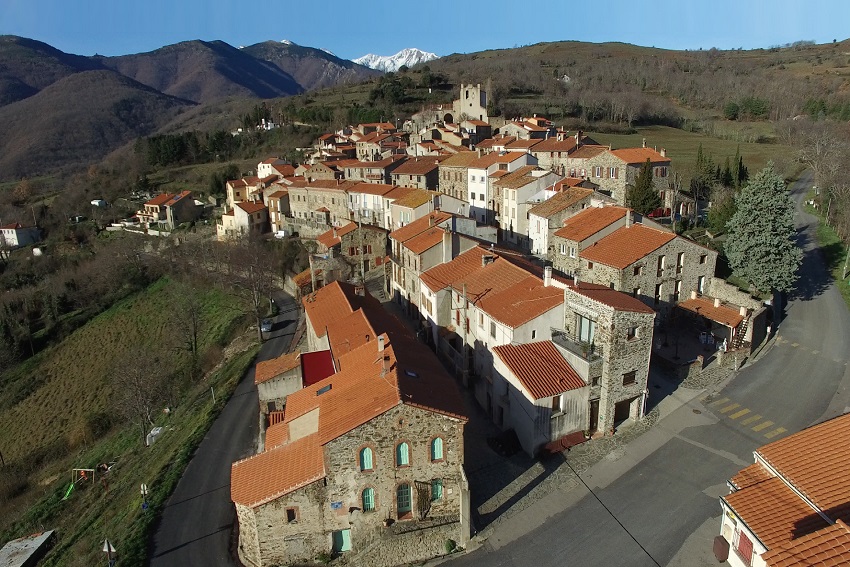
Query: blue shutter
{"x": 366, "y": 459}
{"x": 437, "y": 449}
{"x": 402, "y": 454}
{"x": 368, "y": 499}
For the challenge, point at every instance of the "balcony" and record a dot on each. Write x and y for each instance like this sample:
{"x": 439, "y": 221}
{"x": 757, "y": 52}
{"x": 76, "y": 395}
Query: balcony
{"x": 588, "y": 363}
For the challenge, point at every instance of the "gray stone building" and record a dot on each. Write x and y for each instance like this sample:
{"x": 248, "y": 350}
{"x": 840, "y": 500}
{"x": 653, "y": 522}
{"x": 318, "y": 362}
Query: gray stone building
{"x": 615, "y": 171}
{"x": 363, "y": 247}
{"x": 453, "y": 174}
{"x": 547, "y": 217}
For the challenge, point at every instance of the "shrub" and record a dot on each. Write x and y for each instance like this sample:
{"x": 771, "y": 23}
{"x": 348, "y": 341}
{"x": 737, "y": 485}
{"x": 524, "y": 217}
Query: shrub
{"x": 451, "y": 545}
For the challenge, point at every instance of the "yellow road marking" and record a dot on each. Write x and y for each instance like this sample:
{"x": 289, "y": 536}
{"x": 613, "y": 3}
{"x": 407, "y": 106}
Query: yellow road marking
{"x": 815, "y": 352}
{"x": 763, "y": 425}
{"x": 729, "y": 408}
{"x": 795, "y": 344}
{"x": 751, "y": 419}
{"x": 775, "y": 432}
{"x": 738, "y": 414}
{"x": 719, "y": 402}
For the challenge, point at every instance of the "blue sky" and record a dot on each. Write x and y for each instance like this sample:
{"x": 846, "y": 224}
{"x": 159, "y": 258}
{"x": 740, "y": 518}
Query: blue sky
{"x": 351, "y": 29}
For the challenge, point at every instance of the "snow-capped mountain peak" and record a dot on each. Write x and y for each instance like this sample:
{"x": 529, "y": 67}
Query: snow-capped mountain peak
{"x": 409, "y": 57}
{"x": 286, "y": 42}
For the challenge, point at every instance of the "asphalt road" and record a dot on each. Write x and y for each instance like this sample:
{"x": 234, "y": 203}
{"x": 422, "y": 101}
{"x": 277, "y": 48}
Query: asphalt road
{"x": 664, "y": 510}
{"x": 196, "y": 523}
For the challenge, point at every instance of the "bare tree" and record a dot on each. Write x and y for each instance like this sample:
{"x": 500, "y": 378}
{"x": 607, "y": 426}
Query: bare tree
{"x": 254, "y": 267}
{"x": 140, "y": 387}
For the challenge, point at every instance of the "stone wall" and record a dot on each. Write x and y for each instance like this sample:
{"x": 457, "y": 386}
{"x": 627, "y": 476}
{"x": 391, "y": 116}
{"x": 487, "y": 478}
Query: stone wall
{"x": 390, "y": 544}
{"x": 729, "y": 293}
{"x": 626, "y": 174}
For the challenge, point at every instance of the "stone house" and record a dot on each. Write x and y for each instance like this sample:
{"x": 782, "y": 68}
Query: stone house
{"x": 615, "y": 171}
{"x": 515, "y": 194}
{"x": 790, "y": 506}
{"x": 246, "y": 219}
{"x": 528, "y": 129}
{"x": 453, "y": 174}
{"x": 420, "y": 172}
{"x": 576, "y": 164}
{"x": 369, "y": 463}
{"x": 373, "y": 171}
{"x": 651, "y": 264}
{"x": 471, "y": 104}
{"x": 545, "y": 399}
{"x": 323, "y": 171}
{"x": 547, "y": 217}
{"x": 275, "y": 166}
{"x": 369, "y": 147}
{"x": 364, "y": 247}
{"x": 14, "y": 235}
{"x": 169, "y": 209}
{"x": 481, "y": 172}
{"x": 580, "y": 231}
{"x": 366, "y": 203}
{"x": 275, "y": 380}
{"x": 322, "y": 202}
{"x": 553, "y": 153}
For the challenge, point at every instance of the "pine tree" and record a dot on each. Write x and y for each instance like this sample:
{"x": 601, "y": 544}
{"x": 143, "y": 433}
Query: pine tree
{"x": 726, "y": 177}
{"x": 760, "y": 246}
{"x": 643, "y": 197}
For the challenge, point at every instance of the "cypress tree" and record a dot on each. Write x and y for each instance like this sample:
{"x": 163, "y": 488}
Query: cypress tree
{"x": 643, "y": 197}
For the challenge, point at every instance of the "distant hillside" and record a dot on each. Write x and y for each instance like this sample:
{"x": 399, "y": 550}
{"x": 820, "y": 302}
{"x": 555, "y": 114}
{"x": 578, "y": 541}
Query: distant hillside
{"x": 204, "y": 72}
{"x": 404, "y": 58}
{"x": 77, "y": 120}
{"x": 27, "y": 66}
{"x": 311, "y": 68}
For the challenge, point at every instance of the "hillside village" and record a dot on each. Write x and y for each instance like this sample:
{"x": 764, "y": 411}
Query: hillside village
{"x": 523, "y": 282}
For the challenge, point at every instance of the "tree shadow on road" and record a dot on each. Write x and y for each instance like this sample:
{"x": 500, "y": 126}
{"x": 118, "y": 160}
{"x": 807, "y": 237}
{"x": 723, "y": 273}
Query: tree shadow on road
{"x": 814, "y": 277}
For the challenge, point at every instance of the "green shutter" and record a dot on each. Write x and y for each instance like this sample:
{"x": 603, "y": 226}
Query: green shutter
{"x": 366, "y": 459}
{"x": 403, "y": 499}
{"x": 436, "y": 489}
{"x": 368, "y": 499}
{"x": 402, "y": 454}
{"x": 437, "y": 449}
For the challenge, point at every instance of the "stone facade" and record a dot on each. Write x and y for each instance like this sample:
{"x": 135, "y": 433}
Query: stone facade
{"x": 542, "y": 228}
{"x": 471, "y": 104}
{"x": 615, "y": 176}
{"x": 308, "y": 201}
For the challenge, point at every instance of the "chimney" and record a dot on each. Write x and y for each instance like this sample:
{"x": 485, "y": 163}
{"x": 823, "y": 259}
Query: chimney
{"x": 693, "y": 294}
{"x": 717, "y": 302}
{"x": 547, "y": 276}
{"x": 360, "y": 289}
{"x": 576, "y": 280}
{"x": 628, "y": 218}
{"x": 334, "y": 229}
{"x": 663, "y": 152}
{"x": 447, "y": 246}
{"x": 487, "y": 259}
{"x": 381, "y": 343}
{"x": 430, "y": 221}
{"x": 742, "y": 311}
{"x": 643, "y": 144}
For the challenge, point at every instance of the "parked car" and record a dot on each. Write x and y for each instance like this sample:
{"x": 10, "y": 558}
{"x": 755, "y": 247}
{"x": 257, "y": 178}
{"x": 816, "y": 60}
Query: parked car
{"x": 266, "y": 325}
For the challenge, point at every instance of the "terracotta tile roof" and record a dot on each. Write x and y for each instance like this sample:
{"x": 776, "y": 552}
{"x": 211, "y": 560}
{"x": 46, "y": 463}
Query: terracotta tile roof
{"x": 250, "y": 207}
{"x": 160, "y": 199}
{"x": 415, "y": 198}
{"x": 329, "y": 240}
{"x": 12, "y": 226}
{"x": 568, "y": 182}
{"x": 480, "y": 281}
{"x": 587, "y": 152}
{"x": 626, "y": 245}
{"x": 269, "y": 475}
{"x": 372, "y": 188}
{"x": 419, "y": 226}
{"x": 284, "y": 169}
{"x": 520, "y": 177}
{"x": 268, "y": 369}
{"x": 418, "y": 166}
{"x": 636, "y": 156}
{"x": 237, "y": 183}
{"x": 493, "y": 158}
{"x": 460, "y": 159}
{"x": 269, "y": 178}
{"x": 522, "y": 302}
{"x": 560, "y": 201}
{"x": 276, "y": 435}
{"x": 553, "y": 144}
{"x": 519, "y": 145}
{"x": 816, "y": 461}
{"x": 399, "y": 193}
{"x": 588, "y": 222}
{"x": 425, "y": 240}
{"x": 753, "y": 474}
{"x": 303, "y": 278}
{"x": 326, "y": 304}
{"x": 774, "y": 513}
{"x": 495, "y": 141}
{"x": 829, "y": 547}
{"x": 381, "y": 164}
{"x": 178, "y": 197}
{"x": 279, "y": 194}
{"x": 540, "y": 368}
{"x": 499, "y": 173}
{"x": 323, "y": 210}
{"x": 444, "y": 275}
{"x": 475, "y": 122}
{"x": 705, "y": 306}
{"x": 615, "y": 299}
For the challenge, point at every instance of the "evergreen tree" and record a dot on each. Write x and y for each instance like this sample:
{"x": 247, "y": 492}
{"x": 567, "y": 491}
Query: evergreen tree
{"x": 643, "y": 197}
{"x": 726, "y": 177}
{"x": 760, "y": 246}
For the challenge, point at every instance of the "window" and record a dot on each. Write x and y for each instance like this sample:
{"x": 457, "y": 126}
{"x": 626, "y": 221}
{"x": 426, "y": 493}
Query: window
{"x": 629, "y": 378}
{"x": 291, "y": 515}
{"x": 631, "y": 333}
{"x": 368, "y": 498}
{"x": 366, "y": 463}
{"x": 572, "y": 252}
{"x": 703, "y": 258}
{"x": 533, "y": 334}
{"x": 586, "y": 329}
{"x": 481, "y": 320}
{"x": 660, "y": 265}
{"x": 677, "y": 290}
{"x": 402, "y": 455}
{"x": 590, "y": 265}
{"x": 657, "y": 294}
{"x": 563, "y": 249}
{"x": 701, "y": 284}
{"x": 638, "y": 270}
{"x": 744, "y": 547}
{"x": 437, "y": 449}
{"x": 612, "y": 172}
{"x": 493, "y": 329}
{"x": 572, "y": 172}
{"x": 595, "y": 381}
{"x": 597, "y": 171}
{"x": 556, "y": 403}
{"x": 436, "y": 489}
{"x": 403, "y": 501}
{"x": 583, "y": 172}
{"x": 680, "y": 262}
{"x": 636, "y": 292}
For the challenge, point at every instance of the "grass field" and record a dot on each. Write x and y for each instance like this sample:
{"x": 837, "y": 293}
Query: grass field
{"x": 834, "y": 252}
{"x": 49, "y": 412}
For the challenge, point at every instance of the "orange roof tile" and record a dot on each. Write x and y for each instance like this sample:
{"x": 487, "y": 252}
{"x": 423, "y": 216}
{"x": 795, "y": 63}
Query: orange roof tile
{"x": 753, "y": 474}
{"x": 590, "y": 221}
{"x": 331, "y": 237}
{"x": 560, "y": 201}
{"x": 626, "y": 245}
{"x": 553, "y": 144}
{"x": 268, "y": 369}
{"x": 481, "y": 281}
{"x": 612, "y": 298}
{"x": 816, "y": 461}
{"x": 460, "y": 159}
{"x": 399, "y": 193}
{"x": 522, "y": 302}
{"x": 178, "y": 197}
{"x": 276, "y": 435}
{"x": 520, "y": 177}
{"x": 415, "y": 198}
{"x": 523, "y": 145}
{"x": 250, "y": 207}
{"x": 828, "y": 547}
{"x": 774, "y": 513}
{"x": 499, "y": 140}
{"x": 279, "y": 194}
{"x": 705, "y": 306}
{"x": 636, "y": 156}
{"x": 587, "y": 152}
{"x": 303, "y": 278}
{"x": 160, "y": 199}
{"x": 425, "y": 240}
{"x": 419, "y": 226}
{"x": 487, "y": 160}
{"x": 418, "y": 166}
{"x": 475, "y": 122}
{"x": 274, "y": 473}
{"x": 372, "y": 188}
{"x": 445, "y": 275}
{"x": 540, "y": 368}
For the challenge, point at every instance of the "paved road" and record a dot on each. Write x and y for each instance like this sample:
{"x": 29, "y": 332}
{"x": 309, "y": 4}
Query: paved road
{"x": 196, "y": 523}
{"x": 664, "y": 490}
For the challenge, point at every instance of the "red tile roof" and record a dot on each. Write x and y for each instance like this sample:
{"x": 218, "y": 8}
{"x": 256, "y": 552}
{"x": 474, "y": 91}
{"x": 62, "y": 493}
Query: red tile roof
{"x": 553, "y": 144}
{"x": 612, "y": 298}
{"x": 829, "y": 547}
{"x": 705, "y": 306}
{"x": 269, "y": 475}
{"x": 279, "y": 194}
{"x": 519, "y": 145}
{"x": 415, "y": 198}
{"x": 588, "y": 222}
{"x": 487, "y": 160}
{"x": 372, "y": 188}
{"x": 520, "y": 177}
{"x": 626, "y": 245}
{"x": 587, "y": 152}
{"x": 522, "y": 302}
{"x": 418, "y": 166}
{"x": 753, "y": 474}
{"x": 12, "y": 226}
{"x": 269, "y": 369}
{"x": 419, "y": 226}
{"x": 560, "y": 201}
{"x": 636, "y": 156}
{"x": 276, "y": 435}
{"x": 250, "y": 207}
{"x": 425, "y": 240}
{"x": 540, "y": 368}
{"x": 182, "y": 195}
{"x": 331, "y": 237}
{"x": 160, "y": 199}
{"x": 460, "y": 159}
